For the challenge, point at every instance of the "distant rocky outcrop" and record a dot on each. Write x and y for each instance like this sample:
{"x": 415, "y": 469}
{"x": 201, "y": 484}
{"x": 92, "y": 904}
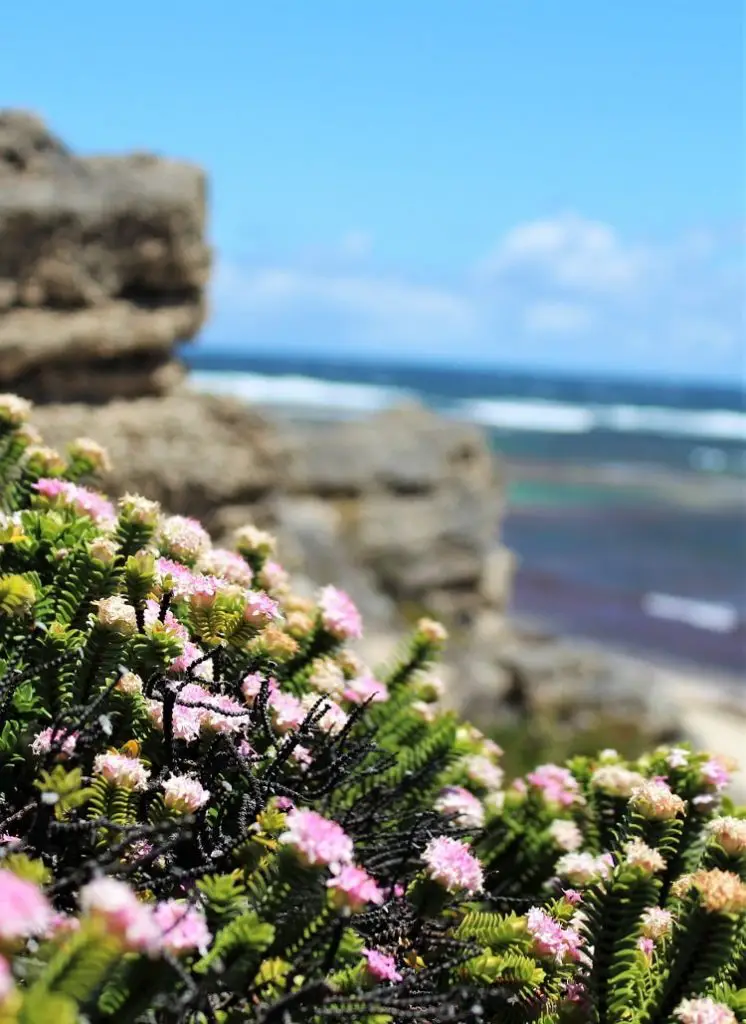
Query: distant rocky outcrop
{"x": 103, "y": 267}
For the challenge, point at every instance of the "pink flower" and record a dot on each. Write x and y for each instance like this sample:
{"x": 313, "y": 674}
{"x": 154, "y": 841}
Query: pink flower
{"x": 6, "y": 979}
{"x": 572, "y": 896}
{"x": 25, "y": 910}
{"x": 381, "y": 966}
{"x": 716, "y": 774}
{"x": 245, "y": 749}
{"x": 222, "y": 714}
{"x": 184, "y": 794}
{"x": 61, "y": 924}
{"x": 450, "y": 863}
{"x": 730, "y": 833}
{"x": 550, "y": 938}
{"x": 284, "y": 803}
{"x": 274, "y": 578}
{"x": 704, "y": 1011}
{"x": 122, "y": 771}
{"x": 654, "y": 800}
{"x": 483, "y": 772}
{"x": 566, "y": 834}
{"x": 64, "y": 743}
{"x": 353, "y": 889}
{"x": 8, "y": 840}
{"x": 365, "y": 688}
{"x": 227, "y": 564}
{"x": 339, "y": 616}
{"x": 302, "y": 756}
{"x": 115, "y": 904}
{"x": 175, "y": 577}
{"x": 185, "y": 721}
{"x": 287, "y": 711}
{"x": 582, "y": 869}
{"x": 73, "y": 496}
{"x": 639, "y": 855}
{"x": 558, "y": 785}
{"x": 189, "y": 661}
{"x": 182, "y": 538}
{"x": 175, "y": 628}
{"x": 646, "y": 946}
{"x": 252, "y": 685}
{"x": 183, "y": 927}
{"x": 460, "y": 804}
{"x": 260, "y": 608}
{"x": 317, "y": 841}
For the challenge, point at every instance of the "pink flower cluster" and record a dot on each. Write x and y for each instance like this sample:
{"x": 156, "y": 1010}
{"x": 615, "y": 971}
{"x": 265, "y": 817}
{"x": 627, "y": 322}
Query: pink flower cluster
{"x": 171, "y": 926}
{"x": 558, "y": 785}
{"x": 122, "y": 771}
{"x": 550, "y": 938}
{"x": 197, "y": 710}
{"x": 64, "y": 743}
{"x": 182, "y": 538}
{"x": 25, "y": 910}
{"x": 704, "y": 1011}
{"x": 353, "y": 889}
{"x": 339, "y": 616}
{"x": 461, "y": 805}
{"x": 228, "y": 565}
{"x": 317, "y": 841}
{"x": 80, "y": 499}
{"x": 365, "y": 688}
{"x": 184, "y": 794}
{"x": 381, "y": 966}
{"x": 451, "y": 864}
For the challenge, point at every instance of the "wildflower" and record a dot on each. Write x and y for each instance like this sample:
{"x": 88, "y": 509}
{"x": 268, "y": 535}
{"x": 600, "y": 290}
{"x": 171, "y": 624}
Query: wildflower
{"x": 103, "y": 550}
{"x": 427, "y": 712}
{"x": 251, "y": 541}
{"x": 550, "y": 938}
{"x": 646, "y": 946}
{"x": 566, "y": 834}
{"x": 286, "y": 711}
{"x": 434, "y": 633}
{"x": 274, "y": 579}
{"x": 185, "y": 721}
{"x": 460, "y": 804}
{"x": 184, "y": 794}
{"x": 704, "y": 1010}
{"x": 483, "y": 772}
{"x": 299, "y": 624}
{"x": 317, "y": 841}
{"x": 137, "y": 509}
{"x": 274, "y": 643}
{"x": 451, "y": 864}
{"x": 730, "y": 833}
{"x": 381, "y": 966}
{"x": 583, "y": 869}
{"x": 182, "y": 538}
{"x": 363, "y": 688}
{"x": 302, "y": 755}
{"x": 96, "y": 457}
{"x": 252, "y": 685}
{"x": 114, "y": 904}
{"x": 183, "y": 927}
{"x": 616, "y": 780}
{"x": 42, "y": 459}
{"x": 82, "y": 500}
{"x": 339, "y": 616}
{"x": 176, "y": 578}
{"x": 678, "y": 757}
{"x": 14, "y": 410}
{"x": 224, "y": 715}
{"x": 62, "y": 741}
{"x": 656, "y": 922}
{"x": 326, "y": 677}
{"x": 61, "y": 924}
{"x": 720, "y": 892}
{"x": 639, "y": 855}
{"x": 116, "y": 615}
{"x": 353, "y": 889}
{"x": 122, "y": 771}
{"x": 572, "y": 896}
{"x": 129, "y": 683}
{"x": 558, "y": 785}
{"x": 716, "y": 774}
{"x": 654, "y": 800}
{"x": 25, "y": 910}
{"x": 260, "y": 609}
{"x": 227, "y": 565}
{"x": 191, "y": 660}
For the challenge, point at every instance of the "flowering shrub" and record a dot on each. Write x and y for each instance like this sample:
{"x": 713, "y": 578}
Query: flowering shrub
{"x": 212, "y": 811}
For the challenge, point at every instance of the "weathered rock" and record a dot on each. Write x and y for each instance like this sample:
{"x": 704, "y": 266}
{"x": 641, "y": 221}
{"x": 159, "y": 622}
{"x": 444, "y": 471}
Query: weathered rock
{"x": 103, "y": 267}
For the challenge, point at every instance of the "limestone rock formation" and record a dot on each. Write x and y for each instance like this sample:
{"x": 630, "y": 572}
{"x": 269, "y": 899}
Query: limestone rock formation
{"x": 103, "y": 267}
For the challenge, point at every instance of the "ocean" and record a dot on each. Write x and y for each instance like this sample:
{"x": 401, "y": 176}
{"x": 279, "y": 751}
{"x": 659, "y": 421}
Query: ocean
{"x": 626, "y": 500}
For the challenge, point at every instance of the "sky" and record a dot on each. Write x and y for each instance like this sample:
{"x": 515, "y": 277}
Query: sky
{"x": 539, "y": 183}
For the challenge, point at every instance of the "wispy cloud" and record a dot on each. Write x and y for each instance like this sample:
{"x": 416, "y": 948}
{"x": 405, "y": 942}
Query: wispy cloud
{"x": 678, "y": 303}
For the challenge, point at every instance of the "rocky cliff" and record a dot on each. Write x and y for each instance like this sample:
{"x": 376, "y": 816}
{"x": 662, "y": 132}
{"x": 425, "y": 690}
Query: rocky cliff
{"x": 103, "y": 267}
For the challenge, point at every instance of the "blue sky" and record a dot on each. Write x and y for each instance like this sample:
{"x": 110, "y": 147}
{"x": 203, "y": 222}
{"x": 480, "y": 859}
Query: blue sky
{"x": 538, "y": 182}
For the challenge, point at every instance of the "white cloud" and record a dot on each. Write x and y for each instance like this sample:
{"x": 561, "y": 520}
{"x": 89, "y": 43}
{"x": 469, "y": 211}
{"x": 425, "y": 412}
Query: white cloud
{"x": 565, "y": 278}
{"x": 570, "y": 252}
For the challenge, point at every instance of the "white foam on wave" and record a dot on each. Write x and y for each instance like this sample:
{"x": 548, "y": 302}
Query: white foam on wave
{"x": 308, "y": 392}
{"x": 716, "y": 618}
{"x": 563, "y": 418}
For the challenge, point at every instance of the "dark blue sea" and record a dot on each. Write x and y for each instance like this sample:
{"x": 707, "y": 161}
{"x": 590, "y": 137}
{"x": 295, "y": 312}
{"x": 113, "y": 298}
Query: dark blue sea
{"x": 626, "y": 498}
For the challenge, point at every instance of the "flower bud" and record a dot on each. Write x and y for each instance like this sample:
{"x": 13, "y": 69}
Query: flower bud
{"x": 116, "y": 615}
{"x": 136, "y": 509}
{"x": 14, "y": 410}
{"x": 92, "y": 456}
